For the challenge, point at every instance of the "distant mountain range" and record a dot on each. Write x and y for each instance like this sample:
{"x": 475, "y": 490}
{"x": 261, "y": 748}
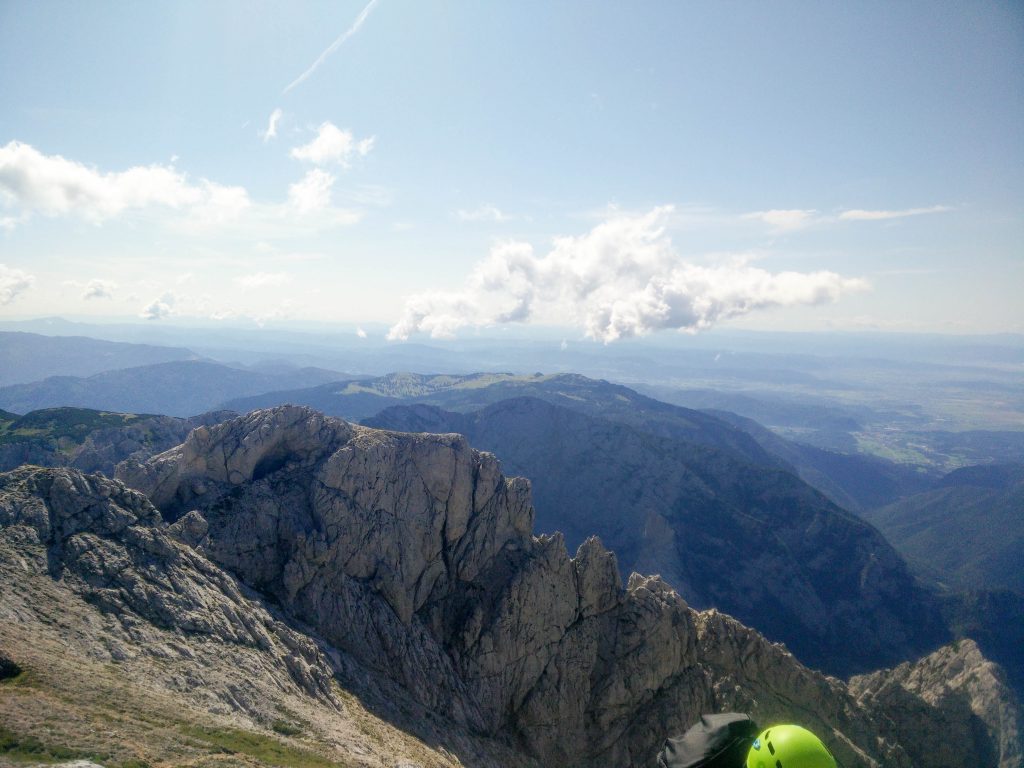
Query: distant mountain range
{"x": 855, "y": 482}
{"x": 179, "y": 388}
{"x": 357, "y": 400}
{"x": 29, "y": 357}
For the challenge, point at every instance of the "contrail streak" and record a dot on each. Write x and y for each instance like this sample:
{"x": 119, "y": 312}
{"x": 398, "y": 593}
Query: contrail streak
{"x": 333, "y": 46}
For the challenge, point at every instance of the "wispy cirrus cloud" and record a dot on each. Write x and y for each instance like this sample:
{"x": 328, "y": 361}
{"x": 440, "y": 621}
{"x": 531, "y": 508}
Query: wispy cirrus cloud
{"x": 784, "y": 220}
{"x": 13, "y": 282}
{"x": 862, "y": 215}
{"x": 270, "y": 132}
{"x": 333, "y": 145}
{"x": 485, "y": 212}
{"x": 623, "y": 278}
{"x": 341, "y": 40}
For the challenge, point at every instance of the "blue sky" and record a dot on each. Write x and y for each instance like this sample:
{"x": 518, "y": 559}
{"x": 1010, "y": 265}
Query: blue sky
{"x": 619, "y": 168}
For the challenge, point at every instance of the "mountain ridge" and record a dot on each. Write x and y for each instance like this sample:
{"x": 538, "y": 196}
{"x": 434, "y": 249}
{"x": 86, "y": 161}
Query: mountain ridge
{"x": 31, "y": 356}
{"x": 362, "y": 519}
{"x": 179, "y": 388}
{"x": 754, "y": 542}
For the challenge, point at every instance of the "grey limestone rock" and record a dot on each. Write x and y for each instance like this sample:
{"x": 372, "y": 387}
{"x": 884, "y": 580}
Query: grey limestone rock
{"x": 110, "y": 546}
{"x": 414, "y": 554}
{"x": 977, "y": 707}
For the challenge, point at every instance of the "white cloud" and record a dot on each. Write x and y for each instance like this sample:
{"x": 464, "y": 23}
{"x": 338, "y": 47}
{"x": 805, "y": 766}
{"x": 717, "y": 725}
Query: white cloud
{"x": 623, "y": 278}
{"x": 360, "y": 333}
{"x": 13, "y": 282}
{"x": 784, "y": 220}
{"x": 8, "y": 223}
{"x": 99, "y": 289}
{"x": 334, "y": 46}
{"x": 333, "y": 145}
{"x": 160, "y": 308}
{"x": 313, "y": 192}
{"x": 861, "y": 215}
{"x": 53, "y": 185}
{"x": 223, "y": 207}
{"x": 482, "y": 213}
{"x": 271, "y": 130}
{"x": 263, "y": 280}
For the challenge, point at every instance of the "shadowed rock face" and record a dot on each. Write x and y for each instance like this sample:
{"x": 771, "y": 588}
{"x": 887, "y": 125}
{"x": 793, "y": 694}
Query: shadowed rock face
{"x": 413, "y": 554}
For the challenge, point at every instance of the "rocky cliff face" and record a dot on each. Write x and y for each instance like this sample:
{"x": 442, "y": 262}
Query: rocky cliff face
{"x": 413, "y": 555}
{"x": 109, "y": 545}
{"x": 122, "y": 643}
{"x": 753, "y": 541}
{"x": 971, "y": 693}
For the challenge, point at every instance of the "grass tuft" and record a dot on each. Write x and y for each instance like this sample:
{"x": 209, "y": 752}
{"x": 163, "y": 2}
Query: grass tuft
{"x": 28, "y": 749}
{"x": 285, "y": 728}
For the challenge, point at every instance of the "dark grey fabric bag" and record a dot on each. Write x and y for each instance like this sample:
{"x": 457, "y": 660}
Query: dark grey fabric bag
{"x": 717, "y": 741}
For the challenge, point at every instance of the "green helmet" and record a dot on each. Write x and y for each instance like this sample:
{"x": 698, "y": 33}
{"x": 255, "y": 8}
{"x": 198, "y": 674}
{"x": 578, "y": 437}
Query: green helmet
{"x": 789, "y": 746}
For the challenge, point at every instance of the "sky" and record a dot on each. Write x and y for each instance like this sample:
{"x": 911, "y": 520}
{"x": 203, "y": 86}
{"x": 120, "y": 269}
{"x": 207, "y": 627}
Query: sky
{"x": 433, "y": 169}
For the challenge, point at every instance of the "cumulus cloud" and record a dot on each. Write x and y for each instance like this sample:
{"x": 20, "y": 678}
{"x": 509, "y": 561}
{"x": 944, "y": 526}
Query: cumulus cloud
{"x": 263, "y": 280}
{"x": 621, "y": 279}
{"x": 53, "y": 185}
{"x": 13, "y": 282}
{"x": 99, "y": 289}
{"x": 360, "y": 333}
{"x": 313, "y": 192}
{"x": 333, "y": 145}
{"x": 482, "y": 213}
{"x": 862, "y": 215}
{"x": 160, "y": 308}
{"x": 787, "y": 220}
{"x": 271, "y": 129}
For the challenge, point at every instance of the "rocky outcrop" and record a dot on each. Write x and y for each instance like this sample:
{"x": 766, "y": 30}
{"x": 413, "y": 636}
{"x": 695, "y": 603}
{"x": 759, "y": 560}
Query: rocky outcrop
{"x": 977, "y": 706}
{"x": 109, "y": 546}
{"x": 135, "y": 646}
{"x": 413, "y": 555}
{"x": 752, "y": 541}
{"x": 138, "y": 438}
